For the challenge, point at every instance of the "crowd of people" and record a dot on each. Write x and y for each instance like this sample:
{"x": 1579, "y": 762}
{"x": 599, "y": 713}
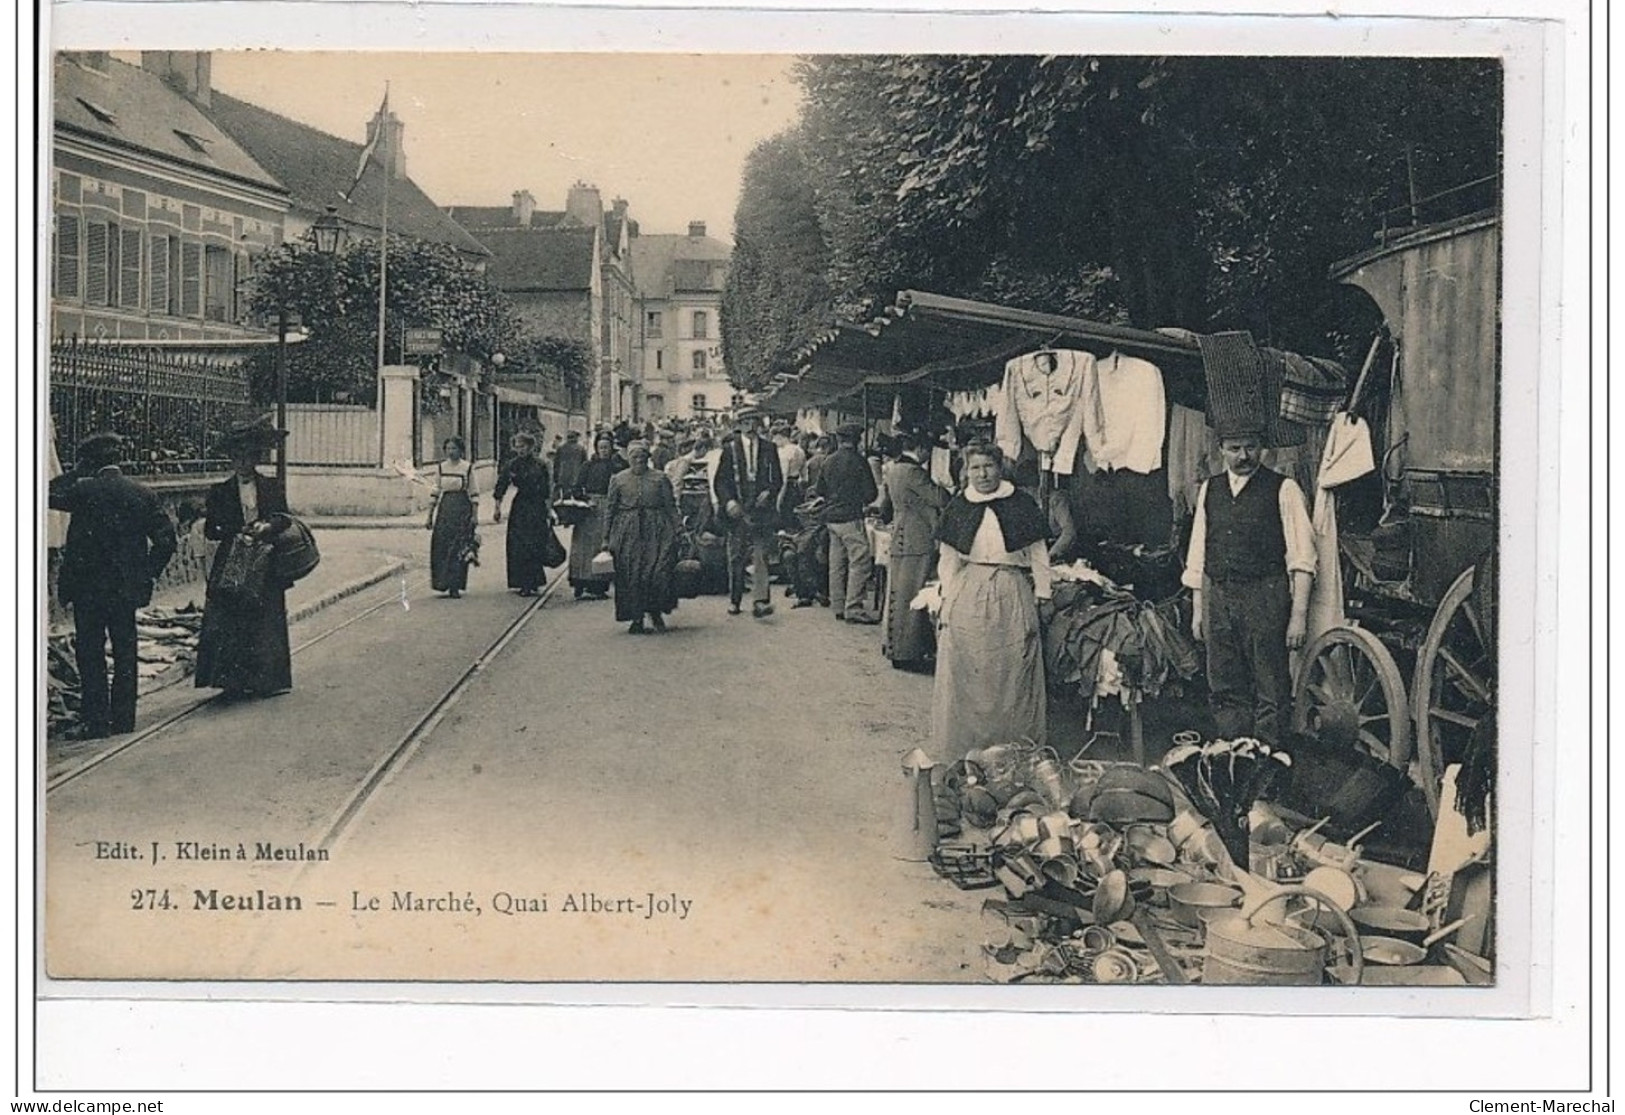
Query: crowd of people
{"x": 645, "y": 504}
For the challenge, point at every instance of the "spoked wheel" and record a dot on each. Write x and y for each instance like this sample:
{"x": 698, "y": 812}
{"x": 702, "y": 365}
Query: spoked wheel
{"x": 1454, "y": 687}
{"x": 1350, "y": 694}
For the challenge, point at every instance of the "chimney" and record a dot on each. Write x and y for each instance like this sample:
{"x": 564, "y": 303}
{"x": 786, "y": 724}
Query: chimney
{"x": 524, "y": 207}
{"x": 185, "y": 71}
{"x": 696, "y": 229}
{"x": 392, "y": 146}
{"x": 585, "y": 206}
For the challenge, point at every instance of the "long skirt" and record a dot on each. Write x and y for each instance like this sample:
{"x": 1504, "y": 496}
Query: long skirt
{"x": 244, "y": 648}
{"x": 990, "y": 663}
{"x": 527, "y": 522}
{"x": 586, "y": 539}
{"x": 645, "y": 549}
{"x": 907, "y": 634}
{"x": 451, "y": 544}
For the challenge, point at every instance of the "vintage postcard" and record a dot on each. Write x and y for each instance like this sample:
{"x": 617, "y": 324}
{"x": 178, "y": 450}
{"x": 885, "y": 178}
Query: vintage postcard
{"x": 1006, "y": 519}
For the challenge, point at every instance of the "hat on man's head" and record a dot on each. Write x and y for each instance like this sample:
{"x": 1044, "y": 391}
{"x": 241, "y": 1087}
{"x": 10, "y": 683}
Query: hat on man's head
{"x": 102, "y": 448}
{"x": 259, "y": 434}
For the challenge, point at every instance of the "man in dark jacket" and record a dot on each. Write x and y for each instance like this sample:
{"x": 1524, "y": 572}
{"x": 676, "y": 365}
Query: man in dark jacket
{"x": 848, "y": 484}
{"x": 119, "y": 540}
{"x": 747, "y": 485}
{"x": 567, "y": 465}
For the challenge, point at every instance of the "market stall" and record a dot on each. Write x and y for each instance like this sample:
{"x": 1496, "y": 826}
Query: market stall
{"x": 1198, "y": 859}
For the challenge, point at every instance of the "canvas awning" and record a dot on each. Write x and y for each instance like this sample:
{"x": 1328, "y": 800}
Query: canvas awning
{"x": 956, "y": 344}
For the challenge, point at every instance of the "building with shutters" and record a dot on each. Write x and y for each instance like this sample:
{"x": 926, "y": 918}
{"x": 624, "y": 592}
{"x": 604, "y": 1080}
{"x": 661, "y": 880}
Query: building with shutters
{"x": 678, "y": 337}
{"x": 156, "y": 212}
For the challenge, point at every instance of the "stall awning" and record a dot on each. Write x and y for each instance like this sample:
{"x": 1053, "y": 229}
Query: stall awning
{"x": 956, "y": 344}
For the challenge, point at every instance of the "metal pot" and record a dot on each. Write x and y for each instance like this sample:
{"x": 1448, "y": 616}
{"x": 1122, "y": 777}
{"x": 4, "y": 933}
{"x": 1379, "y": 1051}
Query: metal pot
{"x": 1189, "y": 901}
{"x": 1391, "y": 952}
{"x": 1391, "y": 921}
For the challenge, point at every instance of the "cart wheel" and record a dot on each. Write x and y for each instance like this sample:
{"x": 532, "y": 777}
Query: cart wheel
{"x": 1454, "y": 686}
{"x": 1350, "y": 694}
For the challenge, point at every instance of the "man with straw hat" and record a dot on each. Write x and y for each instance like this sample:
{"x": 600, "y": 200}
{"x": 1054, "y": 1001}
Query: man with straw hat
{"x": 1250, "y": 566}
{"x": 119, "y": 540}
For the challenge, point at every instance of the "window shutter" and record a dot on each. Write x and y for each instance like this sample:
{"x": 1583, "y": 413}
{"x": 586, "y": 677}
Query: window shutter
{"x": 67, "y": 255}
{"x": 191, "y": 279}
{"x": 158, "y": 275}
{"x": 96, "y": 263}
{"x": 130, "y": 268}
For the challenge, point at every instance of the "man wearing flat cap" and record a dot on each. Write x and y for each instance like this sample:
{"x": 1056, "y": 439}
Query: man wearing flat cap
{"x": 747, "y": 486}
{"x": 1250, "y": 565}
{"x": 119, "y": 540}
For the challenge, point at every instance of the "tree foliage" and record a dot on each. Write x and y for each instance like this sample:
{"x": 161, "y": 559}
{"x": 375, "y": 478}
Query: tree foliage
{"x": 1207, "y": 193}
{"x": 336, "y": 298}
{"x": 777, "y": 290}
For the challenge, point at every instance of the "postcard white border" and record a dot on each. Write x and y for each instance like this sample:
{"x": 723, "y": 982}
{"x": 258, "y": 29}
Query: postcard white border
{"x": 1544, "y": 46}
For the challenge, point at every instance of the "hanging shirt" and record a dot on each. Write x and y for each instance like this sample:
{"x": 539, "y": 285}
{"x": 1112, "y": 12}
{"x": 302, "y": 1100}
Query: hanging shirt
{"x": 1126, "y": 414}
{"x": 1042, "y": 398}
{"x": 1347, "y": 456}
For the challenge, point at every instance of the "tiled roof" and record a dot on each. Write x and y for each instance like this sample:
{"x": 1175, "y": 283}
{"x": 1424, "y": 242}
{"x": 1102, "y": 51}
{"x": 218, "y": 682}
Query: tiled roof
{"x": 130, "y": 107}
{"x": 539, "y": 259}
{"x": 480, "y": 217}
{"x": 656, "y": 258}
{"x": 317, "y": 168}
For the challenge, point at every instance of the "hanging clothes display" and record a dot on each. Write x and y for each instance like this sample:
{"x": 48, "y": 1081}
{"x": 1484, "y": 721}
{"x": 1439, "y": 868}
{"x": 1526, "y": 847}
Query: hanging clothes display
{"x": 1042, "y": 398}
{"x": 1125, "y": 414}
{"x": 1348, "y": 456}
{"x": 1193, "y": 456}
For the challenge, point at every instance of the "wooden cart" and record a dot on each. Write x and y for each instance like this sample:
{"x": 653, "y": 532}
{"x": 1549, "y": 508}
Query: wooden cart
{"x": 1421, "y": 585}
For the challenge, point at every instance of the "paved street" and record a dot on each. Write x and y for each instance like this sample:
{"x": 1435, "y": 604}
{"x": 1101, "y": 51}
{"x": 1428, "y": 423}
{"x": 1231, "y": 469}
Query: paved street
{"x": 744, "y": 773}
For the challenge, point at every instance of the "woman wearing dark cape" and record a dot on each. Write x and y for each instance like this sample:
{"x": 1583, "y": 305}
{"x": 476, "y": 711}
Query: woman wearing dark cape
{"x": 530, "y": 517}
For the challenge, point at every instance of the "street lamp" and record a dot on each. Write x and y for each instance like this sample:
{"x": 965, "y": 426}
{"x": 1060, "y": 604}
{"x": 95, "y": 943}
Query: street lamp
{"x": 327, "y": 233}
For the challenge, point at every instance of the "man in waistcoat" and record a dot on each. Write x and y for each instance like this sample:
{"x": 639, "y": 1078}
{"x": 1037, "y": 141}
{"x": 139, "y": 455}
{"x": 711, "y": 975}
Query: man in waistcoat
{"x": 1251, "y": 564}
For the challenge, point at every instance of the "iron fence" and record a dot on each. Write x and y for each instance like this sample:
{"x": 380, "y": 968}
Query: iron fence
{"x": 172, "y": 407}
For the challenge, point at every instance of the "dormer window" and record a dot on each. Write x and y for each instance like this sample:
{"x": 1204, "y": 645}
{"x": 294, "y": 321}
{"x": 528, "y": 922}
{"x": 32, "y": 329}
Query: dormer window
{"x": 100, "y": 113}
{"x": 195, "y": 142}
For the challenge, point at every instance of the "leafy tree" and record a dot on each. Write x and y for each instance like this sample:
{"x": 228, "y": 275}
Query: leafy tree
{"x": 1202, "y": 192}
{"x": 777, "y": 295}
{"x": 336, "y": 298}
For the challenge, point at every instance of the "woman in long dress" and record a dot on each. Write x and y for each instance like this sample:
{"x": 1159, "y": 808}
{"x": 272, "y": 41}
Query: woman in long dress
{"x": 529, "y": 518}
{"x": 641, "y": 521}
{"x": 993, "y": 563}
{"x": 587, "y": 536}
{"x": 912, "y": 504}
{"x": 452, "y": 546}
{"x": 243, "y": 645}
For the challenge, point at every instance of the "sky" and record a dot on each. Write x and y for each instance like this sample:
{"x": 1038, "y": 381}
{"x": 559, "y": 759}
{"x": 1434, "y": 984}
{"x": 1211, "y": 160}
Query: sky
{"x": 667, "y": 132}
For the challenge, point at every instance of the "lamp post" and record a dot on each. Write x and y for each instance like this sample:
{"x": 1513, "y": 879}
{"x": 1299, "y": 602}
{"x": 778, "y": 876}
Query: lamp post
{"x": 327, "y": 233}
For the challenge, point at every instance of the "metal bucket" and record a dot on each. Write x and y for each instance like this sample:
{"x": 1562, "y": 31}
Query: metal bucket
{"x": 1244, "y": 949}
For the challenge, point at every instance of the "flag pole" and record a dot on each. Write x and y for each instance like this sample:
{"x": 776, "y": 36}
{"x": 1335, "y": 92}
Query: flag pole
{"x": 383, "y": 238}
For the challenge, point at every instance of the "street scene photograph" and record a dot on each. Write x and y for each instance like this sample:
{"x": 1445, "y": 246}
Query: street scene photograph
{"x": 936, "y": 519}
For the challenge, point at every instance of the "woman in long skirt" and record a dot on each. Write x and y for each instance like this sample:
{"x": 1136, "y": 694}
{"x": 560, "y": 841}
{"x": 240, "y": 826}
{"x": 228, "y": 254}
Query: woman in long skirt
{"x": 641, "y": 522}
{"x": 587, "y": 536}
{"x": 529, "y": 518}
{"x": 243, "y": 646}
{"x": 912, "y": 504}
{"x": 452, "y": 546}
{"x": 993, "y": 561}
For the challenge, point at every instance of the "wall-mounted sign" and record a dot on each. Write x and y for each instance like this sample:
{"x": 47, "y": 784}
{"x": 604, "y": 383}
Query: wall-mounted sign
{"x": 421, "y": 342}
